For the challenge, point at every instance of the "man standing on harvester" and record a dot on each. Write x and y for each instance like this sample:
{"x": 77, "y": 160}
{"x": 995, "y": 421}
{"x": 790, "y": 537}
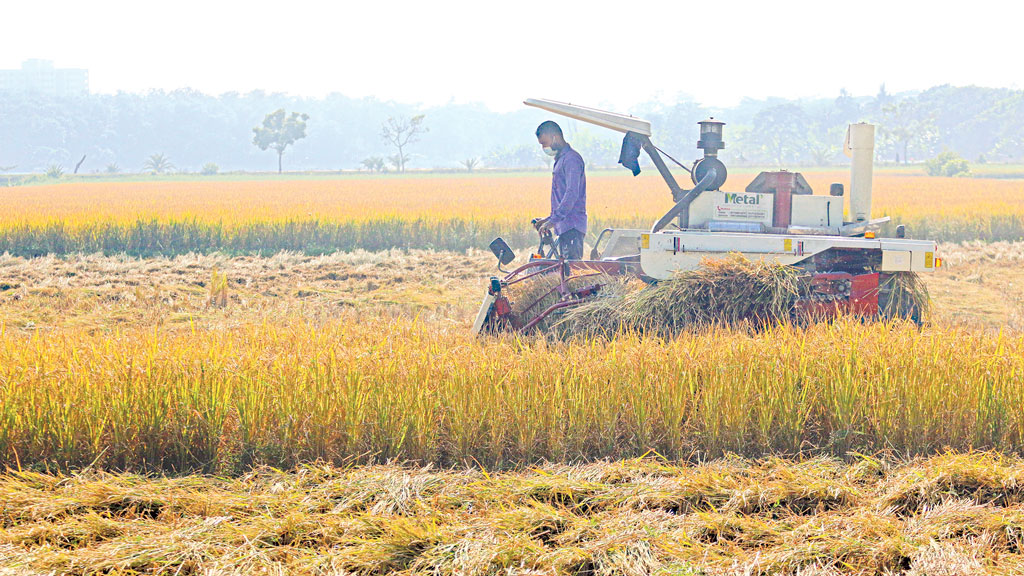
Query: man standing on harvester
{"x": 568, "y": 216}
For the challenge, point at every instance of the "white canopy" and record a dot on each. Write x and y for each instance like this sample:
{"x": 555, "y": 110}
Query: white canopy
{"x": 619, "y": 122}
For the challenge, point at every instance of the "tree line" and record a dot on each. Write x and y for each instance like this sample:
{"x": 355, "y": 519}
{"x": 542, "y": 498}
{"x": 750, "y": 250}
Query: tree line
{"x": 190, "y": 131}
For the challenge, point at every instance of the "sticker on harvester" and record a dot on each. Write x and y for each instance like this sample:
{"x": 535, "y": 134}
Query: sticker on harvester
{"x": 746, "y": 207}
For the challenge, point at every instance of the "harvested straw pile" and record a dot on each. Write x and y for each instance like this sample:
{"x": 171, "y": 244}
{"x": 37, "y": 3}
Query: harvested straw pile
{"x": 951, "y": 514}
{"x": 732, "y": 291}
{"x": 729, "y": 291}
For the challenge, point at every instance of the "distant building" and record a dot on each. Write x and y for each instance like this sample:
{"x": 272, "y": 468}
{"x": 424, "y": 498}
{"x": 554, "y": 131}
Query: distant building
{"x": 40, "y": 77}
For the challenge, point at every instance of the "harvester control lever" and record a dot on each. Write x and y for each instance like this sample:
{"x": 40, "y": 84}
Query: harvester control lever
{"x": 547, "y": 239}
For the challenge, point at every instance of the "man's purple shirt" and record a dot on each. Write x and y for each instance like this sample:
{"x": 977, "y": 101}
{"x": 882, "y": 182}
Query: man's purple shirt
{"x": 568, "y": 192}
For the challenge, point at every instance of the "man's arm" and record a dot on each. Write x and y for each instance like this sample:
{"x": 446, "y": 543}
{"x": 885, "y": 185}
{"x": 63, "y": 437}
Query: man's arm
{"x": 573, "y": 190}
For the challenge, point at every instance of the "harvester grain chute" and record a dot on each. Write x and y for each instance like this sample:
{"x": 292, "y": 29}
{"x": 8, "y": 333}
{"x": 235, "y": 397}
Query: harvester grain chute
{"x": 843, "y": 265}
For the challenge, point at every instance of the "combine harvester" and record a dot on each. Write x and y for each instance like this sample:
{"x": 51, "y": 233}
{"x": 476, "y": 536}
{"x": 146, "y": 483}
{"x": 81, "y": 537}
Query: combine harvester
{"x": 844, "y": 266}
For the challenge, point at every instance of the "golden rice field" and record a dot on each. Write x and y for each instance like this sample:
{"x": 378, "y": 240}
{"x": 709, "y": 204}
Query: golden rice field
{"x": 305, "y": 413}
{"x": 446, "y": 213}
{"x": 367, "y": 389}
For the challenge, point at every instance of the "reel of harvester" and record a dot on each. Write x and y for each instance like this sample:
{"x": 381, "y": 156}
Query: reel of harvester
{"x": 533, "y": 294}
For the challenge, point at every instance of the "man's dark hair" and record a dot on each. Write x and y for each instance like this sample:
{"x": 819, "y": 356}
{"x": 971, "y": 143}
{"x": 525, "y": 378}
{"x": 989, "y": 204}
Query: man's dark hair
{"x": 548, "y": 127}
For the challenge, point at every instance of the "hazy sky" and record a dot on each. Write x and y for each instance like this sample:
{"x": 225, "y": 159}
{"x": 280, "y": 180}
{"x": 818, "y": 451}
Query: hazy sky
{"x": 613, "y": 54}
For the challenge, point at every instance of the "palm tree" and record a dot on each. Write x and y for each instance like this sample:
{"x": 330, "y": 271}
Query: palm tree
{"x": 157, "y": 164}
{"x": 54, "y": 171}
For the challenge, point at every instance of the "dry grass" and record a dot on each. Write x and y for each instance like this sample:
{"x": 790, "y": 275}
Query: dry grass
{"x": 952, "y": 514}
{"x": 104, "y": 293}
{"x": 981, "y": 285}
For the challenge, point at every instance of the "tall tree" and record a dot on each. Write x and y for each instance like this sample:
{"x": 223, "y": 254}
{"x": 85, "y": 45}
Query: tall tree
{"x": 674, "y": 125}
{"x": 781, "y": 130}
{"x": 824, "y": 142}
{"x": 400, "y": 133}
{"x": 905, "y": 126}
{"x": 279, "y": 131}
{"x": 846, "y": 108}
{"x": 882, "y": 99}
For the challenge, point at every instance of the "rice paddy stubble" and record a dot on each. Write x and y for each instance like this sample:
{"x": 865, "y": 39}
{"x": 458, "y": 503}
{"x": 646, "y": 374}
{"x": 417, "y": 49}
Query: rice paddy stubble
{"x": 956, "y": 514}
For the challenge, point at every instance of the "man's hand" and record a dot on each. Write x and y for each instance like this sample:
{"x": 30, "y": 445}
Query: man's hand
{"x": 544, "y": 224}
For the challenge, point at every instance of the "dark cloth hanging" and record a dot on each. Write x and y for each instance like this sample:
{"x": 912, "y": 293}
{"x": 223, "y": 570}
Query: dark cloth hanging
{"x": 630, "y": 154}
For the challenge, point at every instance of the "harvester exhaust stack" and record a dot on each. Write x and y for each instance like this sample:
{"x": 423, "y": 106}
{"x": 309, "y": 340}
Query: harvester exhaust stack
{"x": 860, "y": 146}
